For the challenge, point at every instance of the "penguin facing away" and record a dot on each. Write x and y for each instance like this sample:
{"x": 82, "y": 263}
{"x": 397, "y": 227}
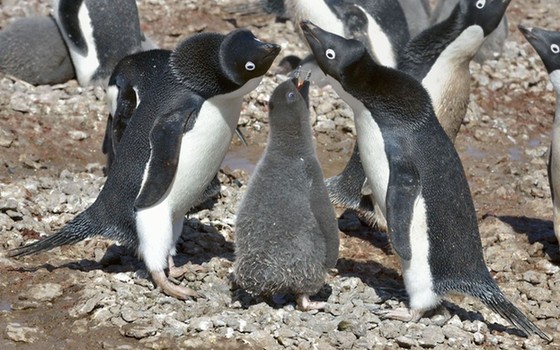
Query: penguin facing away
{"x": 33, "y": 50}
{"x": 426, "y": 200}
{"x": 286, "y": 235}
{"x": 171, "y": 150}
{"x": 98, "y": 33}
{"x": 547, "y": 45}
{"x": 438, "y": 57}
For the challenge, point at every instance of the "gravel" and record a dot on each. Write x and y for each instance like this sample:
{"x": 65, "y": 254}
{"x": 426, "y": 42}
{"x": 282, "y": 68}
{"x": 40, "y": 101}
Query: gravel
{"x": 96, "y": 294}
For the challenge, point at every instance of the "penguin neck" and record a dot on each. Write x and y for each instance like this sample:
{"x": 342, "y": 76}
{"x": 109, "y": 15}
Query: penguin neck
{"x": 452, "y": 41}
{"x": 294, "y": 139}
{"x": 379, "y": 89}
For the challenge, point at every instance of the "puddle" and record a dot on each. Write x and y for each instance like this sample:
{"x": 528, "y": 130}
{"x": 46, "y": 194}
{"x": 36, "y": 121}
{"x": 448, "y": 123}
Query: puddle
{"x": 475, "y": 153}
{"x": 514, "y": 153}
{"x": 246, "y": 158}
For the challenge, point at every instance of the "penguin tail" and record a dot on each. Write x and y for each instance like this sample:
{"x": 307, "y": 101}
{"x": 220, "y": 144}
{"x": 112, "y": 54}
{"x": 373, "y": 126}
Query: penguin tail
{"x": 75, "y": 231}
{"x": 497, "y": 301}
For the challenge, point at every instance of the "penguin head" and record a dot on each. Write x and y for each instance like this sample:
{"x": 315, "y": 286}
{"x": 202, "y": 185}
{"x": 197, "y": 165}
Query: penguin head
{"x": 212, "y": 64}
{"x": 244, "y": 57}
{"x": 333, "y": 53}
{"x": 486, "y": 14}
{"x": 547, "y": 45}
{"x": 287, "y": 102}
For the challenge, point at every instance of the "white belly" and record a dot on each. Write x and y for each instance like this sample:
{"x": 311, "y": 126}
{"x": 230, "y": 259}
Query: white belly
{"x": 380, "y": 43}
{"x": 317, "y": 12}
{"x": 202, "y": 151}
{"x": 371, "y": 145}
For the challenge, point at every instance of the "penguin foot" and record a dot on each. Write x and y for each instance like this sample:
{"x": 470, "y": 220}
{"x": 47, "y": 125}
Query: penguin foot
{"x": 400, "y": 314}
{"x": 177, "y": 272}
{"x": 305, "y": 304}
{"x": 179, "y": 292}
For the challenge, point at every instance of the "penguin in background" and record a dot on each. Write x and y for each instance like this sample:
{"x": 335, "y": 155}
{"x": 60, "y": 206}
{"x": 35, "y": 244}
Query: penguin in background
{"x": 286, "y": 235}
{"x": 382, "y": 23}
{"x": 426, "y": 199}
{"x": 171, "y": 150}
{"x": 98, "y": 34}
{"x": 547, "y": 45}
{"x": 492, "y": 47}
{"x": 438, "y": 57}
{"x": 33, "y": 50}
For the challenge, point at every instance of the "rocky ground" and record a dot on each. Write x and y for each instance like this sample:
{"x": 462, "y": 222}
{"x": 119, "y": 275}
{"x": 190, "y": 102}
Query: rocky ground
{"x": 96, "y": 295}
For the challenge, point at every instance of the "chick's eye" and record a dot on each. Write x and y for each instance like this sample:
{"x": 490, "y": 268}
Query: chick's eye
{"x": 291, "y": 96}
{"x": 554, "y": 48}
{"x": 480, "y": 4}
{"x": 330, "y": 54}
{"x": 250, "y": 66}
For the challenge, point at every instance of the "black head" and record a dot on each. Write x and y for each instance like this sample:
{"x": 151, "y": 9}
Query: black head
{"x": 484, "y": 13}
{"x": 333, "y": 53}
{"x": 547, "y": 45}
{"x": 244, "y": 57}
{"x": 289, "y": 99}
{"x": 212, "y": 64}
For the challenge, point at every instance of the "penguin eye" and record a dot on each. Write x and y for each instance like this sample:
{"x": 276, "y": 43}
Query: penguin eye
{"x": 330, "y": 54}
{"x": 291, "y": 96}
{"x": 480, "y": 4}
{"x": 250, "y": 66}
{"x": 555, "y": 48}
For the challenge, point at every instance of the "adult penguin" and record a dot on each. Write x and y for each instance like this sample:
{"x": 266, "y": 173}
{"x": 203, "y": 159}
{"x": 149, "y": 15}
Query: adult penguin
{"x": 171, "y": 150}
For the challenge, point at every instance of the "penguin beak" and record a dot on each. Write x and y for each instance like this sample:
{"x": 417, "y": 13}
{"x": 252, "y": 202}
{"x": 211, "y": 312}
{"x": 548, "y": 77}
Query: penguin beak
{"x": 528, "y": 33}
{"x": 309, "y": 29}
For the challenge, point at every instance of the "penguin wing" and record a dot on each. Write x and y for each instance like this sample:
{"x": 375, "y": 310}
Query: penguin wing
{"x": 165, "y": 143}
{"x": 403, "y": 190}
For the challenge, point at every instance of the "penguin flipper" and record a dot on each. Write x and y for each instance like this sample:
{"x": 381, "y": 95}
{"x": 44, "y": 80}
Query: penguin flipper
{"x": 165, "y": 142}
{"x": 402, "y": 192}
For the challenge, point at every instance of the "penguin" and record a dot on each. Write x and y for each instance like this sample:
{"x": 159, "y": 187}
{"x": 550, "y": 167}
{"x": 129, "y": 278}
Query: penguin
{"x": 547, "y": 45}
{"x": 129, "y": 84}
{"x": 170, "y": 151}
{"x": 492, "y": 47}
{"x": 425, "y": 198}
{"x": 98, "y": 34}
{"x": 33, "y": 50}
{"x": 438, "y": 57}
{"x": 286, "y": 233}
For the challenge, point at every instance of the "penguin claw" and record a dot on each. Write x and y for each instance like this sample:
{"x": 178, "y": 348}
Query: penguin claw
{"x": 171, "y": 289}
{"x": 305, "y": 304}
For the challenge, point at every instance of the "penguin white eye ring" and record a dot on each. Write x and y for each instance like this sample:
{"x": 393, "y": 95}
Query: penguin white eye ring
{"x": 330, "y": 54}
{"x": 555, "y": 48}
{"x": 250, "y": 66}
{"x": 480, "y": 4}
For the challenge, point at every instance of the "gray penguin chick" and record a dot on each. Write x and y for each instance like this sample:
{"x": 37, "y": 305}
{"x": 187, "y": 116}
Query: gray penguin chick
{"x": 32, "y": 49}
{"x": 286, "y": 234}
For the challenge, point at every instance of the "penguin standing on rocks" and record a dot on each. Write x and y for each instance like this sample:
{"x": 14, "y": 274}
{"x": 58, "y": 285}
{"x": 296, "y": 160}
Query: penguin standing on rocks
{"x": 425, "y": 198}
{"x": 286, "y": 235}
{"x": 170, "y": 151}
{"x": 98, "y": 33}
{"x": 438, "y": 57}
{"x": 33, "y": 50}
{"x": 547, "y": 45}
